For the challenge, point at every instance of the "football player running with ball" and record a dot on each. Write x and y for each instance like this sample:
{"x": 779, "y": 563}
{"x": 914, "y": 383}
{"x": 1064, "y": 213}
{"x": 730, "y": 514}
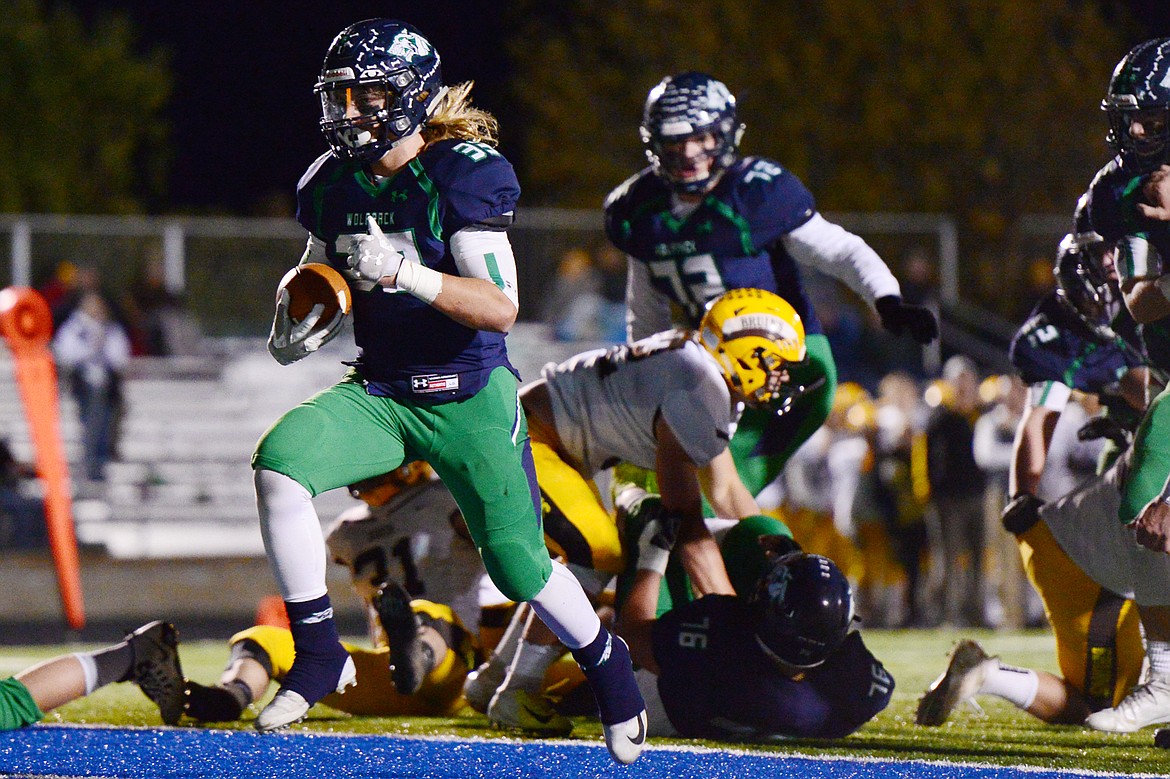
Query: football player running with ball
{"x": 412, "y": 203}
{"x": 701, "y": 219}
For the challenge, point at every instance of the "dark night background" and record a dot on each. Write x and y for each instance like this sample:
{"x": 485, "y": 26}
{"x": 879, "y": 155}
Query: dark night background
{"x": 243, "y": 113}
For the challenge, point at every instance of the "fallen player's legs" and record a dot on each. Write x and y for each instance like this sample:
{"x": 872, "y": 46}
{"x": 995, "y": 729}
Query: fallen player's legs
{"x": 264, "y": 653}
{"x": 147, "y": 656}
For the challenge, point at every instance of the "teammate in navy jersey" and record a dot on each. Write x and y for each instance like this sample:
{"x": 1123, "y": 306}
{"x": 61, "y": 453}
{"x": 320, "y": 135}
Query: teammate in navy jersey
{"x": 412, "y": 204}
{"x": 700, "y": 220}
{"x": 784, "y": 658}
{"x": 1137, "y": 104}
{"x": 1070, "y": 342}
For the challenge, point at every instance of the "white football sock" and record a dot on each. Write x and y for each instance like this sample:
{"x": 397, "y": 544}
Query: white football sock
{"x": 1017, "y": 685}
{"x": 292, "y": 536}
{"x": 1158, "y": 653}
{"x": 529, "y": 666}
{"x": 564, "y": 607}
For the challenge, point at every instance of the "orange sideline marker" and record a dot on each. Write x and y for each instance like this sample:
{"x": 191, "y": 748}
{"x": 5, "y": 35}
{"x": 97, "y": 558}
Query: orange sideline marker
{"x": 27, "y": 326}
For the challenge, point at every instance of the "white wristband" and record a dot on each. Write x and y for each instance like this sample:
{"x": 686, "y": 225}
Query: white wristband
{"x": 653, "y": 558}
{"x": 1163, "y": 283}
{"x": 419, "y": 280}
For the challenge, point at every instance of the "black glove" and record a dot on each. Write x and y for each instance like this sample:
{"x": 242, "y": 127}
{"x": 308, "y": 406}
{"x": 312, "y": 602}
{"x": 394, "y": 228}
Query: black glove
{"x": 1104, "y": 427}
{"x": 897, "y": 317}
{"x": 1021, "y": 513}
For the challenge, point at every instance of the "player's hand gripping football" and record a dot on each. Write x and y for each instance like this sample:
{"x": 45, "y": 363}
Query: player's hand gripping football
{"x": 289, "y": 342}
{"x": 372, "y": 258}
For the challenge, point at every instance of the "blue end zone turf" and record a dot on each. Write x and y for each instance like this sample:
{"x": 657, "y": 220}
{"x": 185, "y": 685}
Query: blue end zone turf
{"x": 53, "y": 750}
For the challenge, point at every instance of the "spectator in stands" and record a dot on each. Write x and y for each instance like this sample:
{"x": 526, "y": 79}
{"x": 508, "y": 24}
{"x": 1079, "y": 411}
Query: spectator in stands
{"x": 92, "y": 350}
{"x": 956, "y": 491}
{"x": 995, "y": 433}
{"x": 899, "y": 454}
{"x": 159, "y": 322}
{"x": 22, "y": 517}
{"x": 587, "y": 301}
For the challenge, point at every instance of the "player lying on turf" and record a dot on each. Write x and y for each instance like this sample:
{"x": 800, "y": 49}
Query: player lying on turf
{"x": 148, "y": 657}
{"x": 774, "y": 656}
{"x": 668, "y": 403}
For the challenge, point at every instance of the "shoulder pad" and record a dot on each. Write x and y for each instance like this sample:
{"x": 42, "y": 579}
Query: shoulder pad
{"x": 476, "y": 184}
{"x": 769, "y": 196}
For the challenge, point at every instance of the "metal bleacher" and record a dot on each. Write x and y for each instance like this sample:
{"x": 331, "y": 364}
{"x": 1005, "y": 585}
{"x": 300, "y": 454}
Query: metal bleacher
{"x": 182, "y": 484}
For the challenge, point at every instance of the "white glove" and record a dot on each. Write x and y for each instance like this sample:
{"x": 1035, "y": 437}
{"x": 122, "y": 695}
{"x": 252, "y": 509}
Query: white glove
{"x": 288, "y": 342}
{"x": 371, "y": 257}
{"x": 656, "y": 541}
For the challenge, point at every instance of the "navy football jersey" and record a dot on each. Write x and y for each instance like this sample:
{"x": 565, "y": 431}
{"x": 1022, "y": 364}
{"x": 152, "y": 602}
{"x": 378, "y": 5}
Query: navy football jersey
{"x": 1053, "y": 344}
{"x": 1113, "y": 198}
{"x": 409, "y": 350}
{"x": 731, "y": 240}
{"x": 716, "y": 682}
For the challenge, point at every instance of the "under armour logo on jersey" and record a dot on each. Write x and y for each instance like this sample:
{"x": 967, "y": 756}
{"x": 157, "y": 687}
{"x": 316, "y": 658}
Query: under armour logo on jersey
{"x": 434, "y": 383}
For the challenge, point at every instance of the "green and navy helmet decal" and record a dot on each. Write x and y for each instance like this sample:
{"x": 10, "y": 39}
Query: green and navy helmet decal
{"x": 380, "y": 81}
{"x": 1141, "y": 84}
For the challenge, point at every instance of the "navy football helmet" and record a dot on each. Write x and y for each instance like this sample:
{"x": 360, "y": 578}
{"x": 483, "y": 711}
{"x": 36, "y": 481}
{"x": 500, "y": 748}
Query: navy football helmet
{"x": 380, "y": 81}
{"x": 805, "y": 609}
{"x": 1140, "y": 90}
{"x": 1084, "y": 282}
{"x": 684, "y": 106}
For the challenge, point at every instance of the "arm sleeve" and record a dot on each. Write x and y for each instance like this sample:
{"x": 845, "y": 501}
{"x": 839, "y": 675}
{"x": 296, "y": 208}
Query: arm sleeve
{"x": 834, "y": 250}
{"x": 647, "y": 309}
{"x": 1050, "y": 394}
{"x": 486, "y": 254}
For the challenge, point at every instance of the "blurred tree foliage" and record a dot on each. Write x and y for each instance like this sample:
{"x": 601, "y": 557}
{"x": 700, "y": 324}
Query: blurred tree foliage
{"x": 82, "y": 128}
{"x": 983, "y": 109}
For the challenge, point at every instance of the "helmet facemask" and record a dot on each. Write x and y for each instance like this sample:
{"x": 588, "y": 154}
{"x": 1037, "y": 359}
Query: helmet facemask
{"x": 381, "y": 80}
{"x": 756, "y": 337}
{"x": 688, "y": 110}
{"x": 1083, "y": 282}
{"x": 1139, "y": 94}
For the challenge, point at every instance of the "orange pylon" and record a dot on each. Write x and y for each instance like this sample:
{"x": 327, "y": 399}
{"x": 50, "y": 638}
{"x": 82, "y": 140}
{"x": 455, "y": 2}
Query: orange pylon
{"x": 27, "y": 326}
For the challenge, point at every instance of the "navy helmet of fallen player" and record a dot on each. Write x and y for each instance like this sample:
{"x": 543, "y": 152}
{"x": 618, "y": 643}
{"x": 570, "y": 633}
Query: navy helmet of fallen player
{"x": 1139, "y": 92}
{"x": 380, "y": 81}
{"x": 805, "y": 607}
{"x": 684, "y": 106}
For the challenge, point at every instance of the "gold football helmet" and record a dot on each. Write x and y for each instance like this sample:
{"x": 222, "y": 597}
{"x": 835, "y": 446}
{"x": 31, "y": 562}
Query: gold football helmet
{"x": 754, "y": 335}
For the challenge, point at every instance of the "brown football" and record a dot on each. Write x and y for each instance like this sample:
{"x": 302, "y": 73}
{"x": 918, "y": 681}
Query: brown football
{"x": 315, "y": 283}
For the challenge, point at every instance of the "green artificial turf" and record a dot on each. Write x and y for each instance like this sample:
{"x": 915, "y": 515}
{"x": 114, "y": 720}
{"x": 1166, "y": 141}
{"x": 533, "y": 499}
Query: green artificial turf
{"x": 1000, "y": 734}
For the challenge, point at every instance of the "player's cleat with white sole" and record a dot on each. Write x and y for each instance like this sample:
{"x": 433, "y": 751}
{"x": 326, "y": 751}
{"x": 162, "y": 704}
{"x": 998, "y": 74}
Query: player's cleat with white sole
{"x": 1147, "y": 704}
{"x": 625, "y": 740}
{"x": 960, "y": 682}
{"x": 411, "y": 659}
{"x": 522, "y": 710}
{"x": 482, "y": 683}
{"x": 290, "y": 707}
{"x": 155, "y": 668}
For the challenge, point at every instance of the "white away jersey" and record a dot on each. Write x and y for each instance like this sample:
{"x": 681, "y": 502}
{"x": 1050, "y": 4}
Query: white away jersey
{"x": 606, "y": 402}
{"x": 417, "y": 528}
